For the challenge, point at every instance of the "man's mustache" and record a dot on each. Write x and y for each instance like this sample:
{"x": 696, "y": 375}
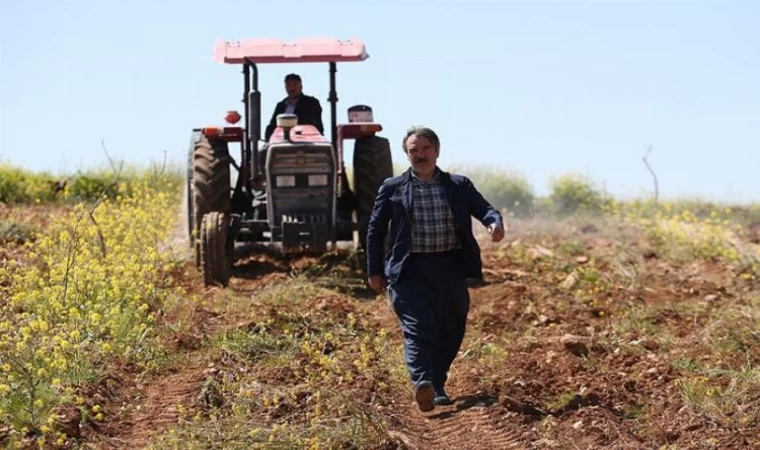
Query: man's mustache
{"x": 421, "y": 160}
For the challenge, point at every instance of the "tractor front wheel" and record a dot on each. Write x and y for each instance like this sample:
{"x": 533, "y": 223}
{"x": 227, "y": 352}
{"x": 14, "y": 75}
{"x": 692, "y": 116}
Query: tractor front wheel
{"x": 216, "y": 249}
{"x": 210, "y": 183}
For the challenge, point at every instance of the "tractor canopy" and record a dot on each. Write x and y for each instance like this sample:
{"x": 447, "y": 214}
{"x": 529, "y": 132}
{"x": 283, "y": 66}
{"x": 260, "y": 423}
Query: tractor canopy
{"x": 275, "y": 51}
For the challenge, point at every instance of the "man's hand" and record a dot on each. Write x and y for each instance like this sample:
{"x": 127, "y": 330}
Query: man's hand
{"x": 377, "y": 283}
{"x": 496, "y": 230}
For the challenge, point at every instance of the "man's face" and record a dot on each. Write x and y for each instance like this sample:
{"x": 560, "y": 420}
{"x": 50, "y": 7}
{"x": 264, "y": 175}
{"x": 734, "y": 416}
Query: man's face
{"x": 422, "y": 154}
{"x": 293, "y": 88}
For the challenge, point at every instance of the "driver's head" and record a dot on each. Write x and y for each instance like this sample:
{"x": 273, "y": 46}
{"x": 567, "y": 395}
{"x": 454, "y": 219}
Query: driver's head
{"x": 293, "y": 85}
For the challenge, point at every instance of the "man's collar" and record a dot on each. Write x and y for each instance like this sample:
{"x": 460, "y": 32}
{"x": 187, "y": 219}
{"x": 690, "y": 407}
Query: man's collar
{"x": 436, "y": 176}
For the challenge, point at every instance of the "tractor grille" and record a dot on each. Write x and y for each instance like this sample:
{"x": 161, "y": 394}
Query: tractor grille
{"x": 306, "y": 218}
{"x": 301, "y": 184}
{"x": 297, "y": 163}
{"x": 302, "y": 203}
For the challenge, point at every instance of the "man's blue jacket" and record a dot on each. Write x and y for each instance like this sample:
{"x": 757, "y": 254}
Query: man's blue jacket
{"x": 393, "y": 206}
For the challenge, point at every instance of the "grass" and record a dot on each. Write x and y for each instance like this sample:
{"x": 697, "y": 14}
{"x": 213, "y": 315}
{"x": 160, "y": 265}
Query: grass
{"x": 726, "y": 385}
{"x": 14, "y": 232}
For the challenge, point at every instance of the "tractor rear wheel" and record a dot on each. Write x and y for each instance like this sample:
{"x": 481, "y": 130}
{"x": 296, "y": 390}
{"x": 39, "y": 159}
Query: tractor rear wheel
{"x": 210, "y": 183}
{"x": 216, "y": 248}
{"x": 372, "y": 165}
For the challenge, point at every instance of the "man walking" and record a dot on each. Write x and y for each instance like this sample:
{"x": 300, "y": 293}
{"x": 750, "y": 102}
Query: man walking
{"x": 432, "y": 253}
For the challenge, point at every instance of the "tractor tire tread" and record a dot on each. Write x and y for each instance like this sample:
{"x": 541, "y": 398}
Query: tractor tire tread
{"x": 210, "y": 180}
{"x": 216, "y": 260}
{"x": 373, "y": 164}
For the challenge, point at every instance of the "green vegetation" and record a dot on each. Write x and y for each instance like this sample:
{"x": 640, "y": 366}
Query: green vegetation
{"x": 13, "y": 232}
{"x": 571, "y": 193}
{"x": 506, "y": 190}
{"x": 85, "y": 299}
{"x": 20, "y": 186}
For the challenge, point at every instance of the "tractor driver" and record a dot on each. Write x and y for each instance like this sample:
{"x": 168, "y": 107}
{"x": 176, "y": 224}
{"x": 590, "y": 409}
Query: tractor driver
{"x": 306, "y": 107}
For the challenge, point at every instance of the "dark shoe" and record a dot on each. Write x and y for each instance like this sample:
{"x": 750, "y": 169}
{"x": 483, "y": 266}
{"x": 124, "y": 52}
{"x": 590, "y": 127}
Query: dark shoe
{"x": 442, "y": 398}
{"x": 424, "y": 396}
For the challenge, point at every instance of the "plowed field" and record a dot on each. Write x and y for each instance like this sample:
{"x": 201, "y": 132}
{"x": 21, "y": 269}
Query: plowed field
{"x": 587, "y": 332}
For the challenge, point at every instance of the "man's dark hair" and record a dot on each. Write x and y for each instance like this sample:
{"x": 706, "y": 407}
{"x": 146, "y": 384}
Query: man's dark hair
{"x": 425, "y": 132}
{"x": 292, "y": 77}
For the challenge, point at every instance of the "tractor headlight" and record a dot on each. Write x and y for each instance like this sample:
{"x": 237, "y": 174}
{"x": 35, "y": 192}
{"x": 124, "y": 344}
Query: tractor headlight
{"x": 318, "y": 180}
{"x": 285, "y": 180}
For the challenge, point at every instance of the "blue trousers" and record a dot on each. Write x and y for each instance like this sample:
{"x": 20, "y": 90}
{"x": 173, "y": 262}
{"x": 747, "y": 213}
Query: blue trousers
{"x": 431, "y": 301}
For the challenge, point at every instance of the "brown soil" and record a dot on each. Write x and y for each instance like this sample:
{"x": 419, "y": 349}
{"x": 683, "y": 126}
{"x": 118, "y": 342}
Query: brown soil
{"x": 567, "y": 385}
{"x": 512, "y": 406}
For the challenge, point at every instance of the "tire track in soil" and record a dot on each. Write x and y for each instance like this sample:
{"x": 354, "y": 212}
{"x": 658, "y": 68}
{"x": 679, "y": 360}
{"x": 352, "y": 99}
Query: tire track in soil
{"x": 158, "y": 397}
{"x": 462, "y": 426}
{"x": 158, "y": 401}
{"x": 474, "y": 420}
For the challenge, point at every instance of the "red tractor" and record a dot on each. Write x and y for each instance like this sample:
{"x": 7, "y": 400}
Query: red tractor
{"x": 293, "y": 190}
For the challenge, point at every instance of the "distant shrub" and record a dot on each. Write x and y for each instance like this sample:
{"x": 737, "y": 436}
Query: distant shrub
{"x": 505, "y": 189}
{"x": 23, "y": 186}
{"x": 90, "y": 186}
{"x": 573, "y": 192}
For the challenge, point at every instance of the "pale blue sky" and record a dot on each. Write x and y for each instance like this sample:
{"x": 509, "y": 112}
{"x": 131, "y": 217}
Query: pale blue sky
{"x": 537, "y": 86}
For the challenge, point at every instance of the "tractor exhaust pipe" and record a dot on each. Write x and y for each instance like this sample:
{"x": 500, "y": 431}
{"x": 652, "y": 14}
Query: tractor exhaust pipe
{"x": 252, "y": 132}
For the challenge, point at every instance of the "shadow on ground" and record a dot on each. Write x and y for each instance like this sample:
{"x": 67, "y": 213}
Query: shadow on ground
{"x": 339, "y": 270}
{"x": 466, "y": 402}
